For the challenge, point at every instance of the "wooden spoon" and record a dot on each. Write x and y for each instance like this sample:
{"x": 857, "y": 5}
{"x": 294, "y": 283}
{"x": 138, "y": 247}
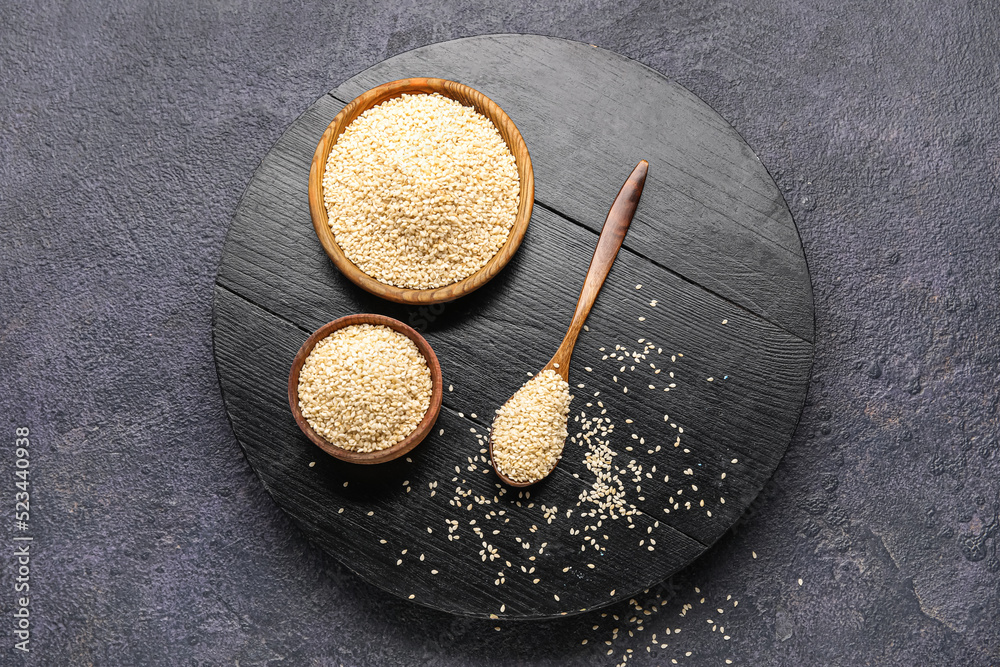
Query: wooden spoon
{"x": 610, "y": 241}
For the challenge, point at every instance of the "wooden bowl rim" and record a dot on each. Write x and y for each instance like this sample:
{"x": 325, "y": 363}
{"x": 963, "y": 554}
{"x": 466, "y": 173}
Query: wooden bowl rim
{"x": 404, "y": 445}
{"x": 453, "y": 90}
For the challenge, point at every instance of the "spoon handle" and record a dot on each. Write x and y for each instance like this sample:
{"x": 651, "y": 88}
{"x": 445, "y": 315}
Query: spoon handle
{"x": 612, "y": 235}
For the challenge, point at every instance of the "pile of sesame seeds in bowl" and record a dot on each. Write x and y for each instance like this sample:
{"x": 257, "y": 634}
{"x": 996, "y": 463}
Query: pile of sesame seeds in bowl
{"x": 421, "y": 191}
{"x": 364, "y": 388}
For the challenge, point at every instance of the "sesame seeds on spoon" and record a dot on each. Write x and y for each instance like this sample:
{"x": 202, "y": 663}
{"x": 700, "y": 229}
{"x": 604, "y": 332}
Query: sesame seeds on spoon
{"x": 530, "y": 429}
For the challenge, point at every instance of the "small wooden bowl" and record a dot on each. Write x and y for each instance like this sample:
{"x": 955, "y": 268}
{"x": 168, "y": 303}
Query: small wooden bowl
{"x": 468, "y": 97}
{"x": 401, "y": 447}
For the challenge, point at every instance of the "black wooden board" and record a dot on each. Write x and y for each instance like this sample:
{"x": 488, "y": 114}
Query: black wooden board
{"x": 712, "y": 241}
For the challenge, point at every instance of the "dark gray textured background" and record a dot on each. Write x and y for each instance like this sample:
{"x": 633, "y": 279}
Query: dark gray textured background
{"x": 127, "y": 134}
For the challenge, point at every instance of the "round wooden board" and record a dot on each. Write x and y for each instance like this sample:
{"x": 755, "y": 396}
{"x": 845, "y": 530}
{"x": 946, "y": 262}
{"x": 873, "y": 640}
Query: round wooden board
{"x": 712, "y": 244}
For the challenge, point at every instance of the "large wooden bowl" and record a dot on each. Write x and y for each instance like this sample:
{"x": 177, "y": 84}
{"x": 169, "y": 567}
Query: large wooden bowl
{"x": 468, "y": 97}
{"x": 401, "y": 447}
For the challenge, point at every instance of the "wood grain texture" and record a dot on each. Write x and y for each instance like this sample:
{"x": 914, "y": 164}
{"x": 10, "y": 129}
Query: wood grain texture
{"x": 276, "y": 285}
{"x": 382, "y": 455}
{"x": 468, "y": 97}
{"x": 712, "y": 213}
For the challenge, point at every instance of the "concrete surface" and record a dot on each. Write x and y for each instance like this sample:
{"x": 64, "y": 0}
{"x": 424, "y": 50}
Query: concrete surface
{"x": 128, "y": 132}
